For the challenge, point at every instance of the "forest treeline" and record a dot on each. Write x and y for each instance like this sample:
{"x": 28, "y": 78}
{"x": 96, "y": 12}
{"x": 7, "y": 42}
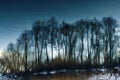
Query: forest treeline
{"x": 49, "y": 45}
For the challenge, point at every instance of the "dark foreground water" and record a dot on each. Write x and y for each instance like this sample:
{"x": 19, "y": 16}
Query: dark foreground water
{"x": 66, "y": 75}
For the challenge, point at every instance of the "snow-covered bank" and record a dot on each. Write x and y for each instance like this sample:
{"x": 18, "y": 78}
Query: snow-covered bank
{"x": 77, "y": 76}
{"x": 89, "y": 74}
{"x": 77, "y": 71}
{"x": 7, "y": 77}
{"x": 106, "y": 76}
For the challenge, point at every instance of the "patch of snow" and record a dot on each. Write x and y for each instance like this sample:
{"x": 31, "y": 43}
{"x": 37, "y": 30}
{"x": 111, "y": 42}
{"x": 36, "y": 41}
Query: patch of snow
{"x": 103, "y": 70}
{"x": 105, "y": 77}
{"x": 53, "y": 72}
{"x": 44, "y": 72}
{"x": 113, "y": 78}
{"x": 116, "y": 68}
{"x": 99, "y": 69}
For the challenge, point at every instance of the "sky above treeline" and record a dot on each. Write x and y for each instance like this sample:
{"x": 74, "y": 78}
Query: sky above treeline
{"x": 18, "y": 15}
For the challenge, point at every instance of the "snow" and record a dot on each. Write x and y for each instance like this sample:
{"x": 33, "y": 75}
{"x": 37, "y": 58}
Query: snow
{"x": 53, "y": 72}
{"x": 103, "y": 70}
{"x": 100, "y": 76}
{"x": 105, "y": 77}
{"x": 7, "y": 78}
{"x": 44, "y": 72}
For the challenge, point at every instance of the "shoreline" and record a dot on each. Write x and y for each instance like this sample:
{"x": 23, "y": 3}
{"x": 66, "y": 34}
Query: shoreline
{"x": 62, "y": 72}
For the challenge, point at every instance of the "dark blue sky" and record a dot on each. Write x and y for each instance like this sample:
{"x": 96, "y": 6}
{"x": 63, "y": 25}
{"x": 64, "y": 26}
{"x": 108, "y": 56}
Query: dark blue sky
{"x": 18, "y": 15}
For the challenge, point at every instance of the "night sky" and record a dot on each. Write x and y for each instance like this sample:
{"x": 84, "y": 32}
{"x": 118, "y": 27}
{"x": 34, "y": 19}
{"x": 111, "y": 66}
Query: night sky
{"x": 18, "y": 15}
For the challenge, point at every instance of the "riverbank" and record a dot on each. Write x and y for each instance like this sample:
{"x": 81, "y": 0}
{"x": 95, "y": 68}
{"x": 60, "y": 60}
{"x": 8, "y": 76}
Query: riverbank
{"x": 93, "y": 74}
{"x": 64, "y": 74}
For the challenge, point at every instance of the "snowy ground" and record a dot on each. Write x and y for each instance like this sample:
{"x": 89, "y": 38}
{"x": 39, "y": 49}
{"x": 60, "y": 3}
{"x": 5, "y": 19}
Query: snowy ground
{"x": 92, "y": 77}
{"x": 5, "y": 77}
{"x": 93, "y": 74}
{"x": 102, "y": 75}
{"x": 105, "y": 77}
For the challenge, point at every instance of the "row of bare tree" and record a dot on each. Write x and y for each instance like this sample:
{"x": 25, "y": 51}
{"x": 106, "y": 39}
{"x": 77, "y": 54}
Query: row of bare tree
{"x": 87, "y": 42}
